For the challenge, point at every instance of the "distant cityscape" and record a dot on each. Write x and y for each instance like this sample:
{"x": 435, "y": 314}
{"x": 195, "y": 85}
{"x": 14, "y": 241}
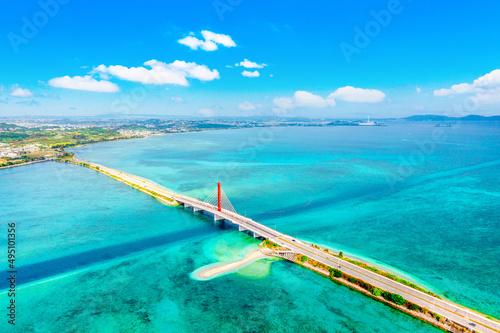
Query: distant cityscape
{"x": 28, "y": 139}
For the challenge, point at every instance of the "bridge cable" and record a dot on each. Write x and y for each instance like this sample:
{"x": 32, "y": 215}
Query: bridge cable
{"x": 212, "y": 199}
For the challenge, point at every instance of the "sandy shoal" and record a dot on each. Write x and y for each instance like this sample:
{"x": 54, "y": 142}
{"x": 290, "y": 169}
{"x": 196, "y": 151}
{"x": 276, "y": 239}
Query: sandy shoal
{"x": 214, "y": 271}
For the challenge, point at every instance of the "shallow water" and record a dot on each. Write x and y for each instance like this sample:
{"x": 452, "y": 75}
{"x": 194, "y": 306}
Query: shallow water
{"x": 394, "y": 195}
{"x": 154, "y": 293}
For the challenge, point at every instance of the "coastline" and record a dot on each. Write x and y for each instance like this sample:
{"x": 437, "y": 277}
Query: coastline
{"x": 350, "y": 254}
{"x": 145, "y": 137}
{"x": 120, "y": 139}
{"x": 427, "y": 318}
{"x": 215, "y": 270}
{"x": 80, "y": 145}
{"x": 26, "y": 163}
{"x": 164, "y": 134}
{"x": 423, "y": 314}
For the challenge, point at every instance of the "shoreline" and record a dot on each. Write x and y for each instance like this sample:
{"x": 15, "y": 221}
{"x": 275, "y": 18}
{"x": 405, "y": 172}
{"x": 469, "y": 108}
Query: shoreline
{"x": 170, "y": 133}
{"x": 156, "y": 134}
{"x": 77, "y": 146}
{"x": 26, "y": 163}
{"x": 219, "y": 269}
{"x": 351, "y": 254}
{"x": 120, "y": 139}
{"x": 423, "y": 314}
{"x": 352, "y": 286}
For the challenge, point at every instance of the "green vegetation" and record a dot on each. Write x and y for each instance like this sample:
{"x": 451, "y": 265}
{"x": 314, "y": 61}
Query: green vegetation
{"x": 335, "y": 273}
{"x": 50, "y": 140}
{"x": 378, "y": 271}
{"x": 414, "y": 307}
{"x": 68, "y": 155}
{"x": 58, "y": 138}
{"x": 65, "y": 157}
{"x": 267, "y": 243}
{"x": 376, "y": 292}
{"x": 23, "y": 159}
{"x": 388, "y": 275}
{"x": 215, "y": 126}
{"x": 12, "y": 136}
{"x": 135, "y": 128}
{"x": 152, "y": 193}
{"x": 395, "y": 298}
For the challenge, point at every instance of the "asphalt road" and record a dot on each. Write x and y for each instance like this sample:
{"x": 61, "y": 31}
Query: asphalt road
{"x": 455, "y": 312}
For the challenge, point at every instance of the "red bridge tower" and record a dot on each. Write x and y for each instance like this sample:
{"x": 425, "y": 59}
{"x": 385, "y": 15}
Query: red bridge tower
{"x": 218, "y": 198}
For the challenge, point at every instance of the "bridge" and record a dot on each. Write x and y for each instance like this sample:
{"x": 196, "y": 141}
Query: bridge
{"x": 218, "y": 207}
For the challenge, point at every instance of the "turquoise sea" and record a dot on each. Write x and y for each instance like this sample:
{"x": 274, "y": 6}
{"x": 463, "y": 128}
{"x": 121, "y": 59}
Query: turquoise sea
{"x": 95, "y": 255}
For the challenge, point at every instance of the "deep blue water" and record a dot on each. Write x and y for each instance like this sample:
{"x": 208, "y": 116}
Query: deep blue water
{"x": 419, "y": 200}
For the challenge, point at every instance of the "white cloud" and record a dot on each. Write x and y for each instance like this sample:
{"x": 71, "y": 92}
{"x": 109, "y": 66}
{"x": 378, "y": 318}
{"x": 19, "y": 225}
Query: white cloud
{"x": 221, "y": 39}
{"x": 104, "y": 76}
{"x": 250, "y": 74}
{"x": 206, "y": 112}
{"x": 486, "y": 96}
{"x": 310, "y": 100}
{"x": 194, "y": 43}
{"x": 87, "y": 83}
{"x": 488, "y": 80}
{"x": 303, "y": 99}
{"x": 246, "y": 106}
{"x": 457, "y": 89}
{"x": 419, "y": 90}
{"x": 20, "y": 92}
{"x": 249, "y": 64}
{"x": 284, "y": 102}
{"x": 161, "y": 73}
{"x": 306, "y": 99}
{"x": 177, "y": 99}
{"x": 210, "y": 41}
{"x": 358, "y": 95}
{"x": 485, "y": 89}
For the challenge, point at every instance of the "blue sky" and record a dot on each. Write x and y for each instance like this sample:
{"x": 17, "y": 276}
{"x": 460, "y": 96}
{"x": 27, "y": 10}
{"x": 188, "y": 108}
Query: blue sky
{"x": 328, "y": 59}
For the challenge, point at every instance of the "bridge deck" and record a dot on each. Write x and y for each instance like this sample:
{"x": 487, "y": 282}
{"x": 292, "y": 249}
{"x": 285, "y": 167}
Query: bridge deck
{"x": 454, "y": 312}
